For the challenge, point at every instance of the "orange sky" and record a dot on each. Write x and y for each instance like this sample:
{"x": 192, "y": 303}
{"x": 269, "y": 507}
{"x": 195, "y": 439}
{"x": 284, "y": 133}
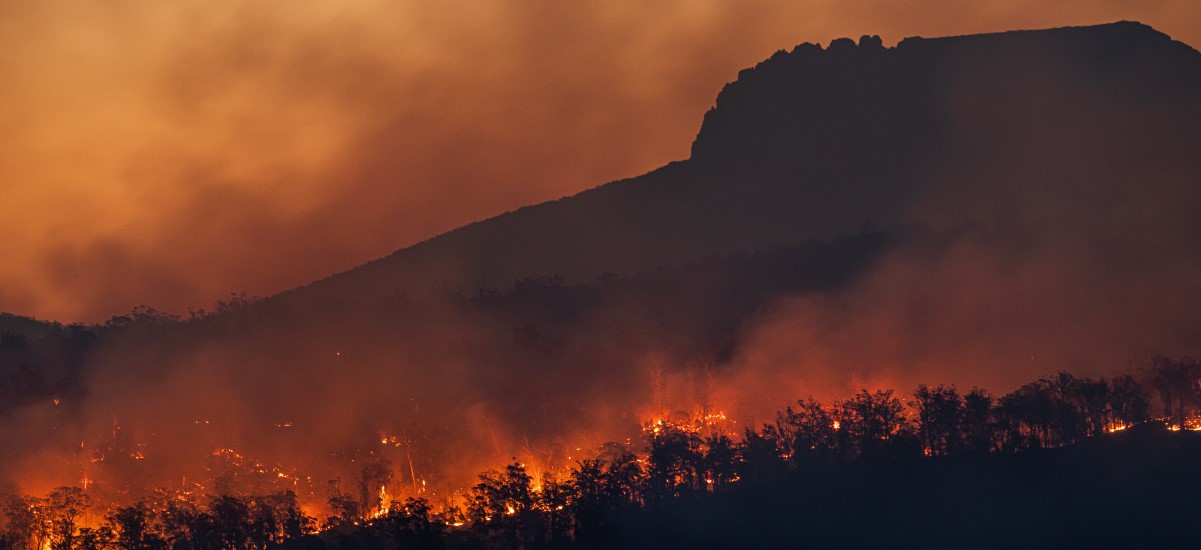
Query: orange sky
{"x": 169, "y": 153}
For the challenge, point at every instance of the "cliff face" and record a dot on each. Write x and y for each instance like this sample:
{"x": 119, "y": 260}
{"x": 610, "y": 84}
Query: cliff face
{"x": 815, "y": 106}
{"x": 816, "y": 142}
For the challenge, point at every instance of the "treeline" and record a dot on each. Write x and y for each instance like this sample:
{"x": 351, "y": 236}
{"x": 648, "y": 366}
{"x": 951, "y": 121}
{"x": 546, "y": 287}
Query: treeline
{"x": 683, "y": 462}
{"x": 225, "y": 522}
{"x": 41, "y": 360}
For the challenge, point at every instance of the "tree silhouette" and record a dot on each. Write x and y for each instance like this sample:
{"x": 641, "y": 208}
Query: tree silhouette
{"x": 674, "y": 459}
{"x": 979, "y": 427}
{"x": 95, "y": 538}
{"x": 764, "y": 456}
{"x": 1095, "y": 403}
{"x": 873, "y": 423}
{"x": 941, "y": 413}
{"x": 1068, "y": 421}
{"x": 64, "y": 505}
{"x": 720, "y": 462}
{"x": 134, "y": 529}
{"x": 27, "y": 523}
{"x": 807, "y": 434}
{"x": 231, "y": 520}
{"x": 502, "y": 505}
{"x": 554, "y": 501}
{"x": 605, "y": 490}
{"x": 1177, "y": 383}
{"x": 1128, "y": 401}
{"x": 345, "y": 509}
{"x": 411, "y": 525}
{"x": 1027, "y": 417}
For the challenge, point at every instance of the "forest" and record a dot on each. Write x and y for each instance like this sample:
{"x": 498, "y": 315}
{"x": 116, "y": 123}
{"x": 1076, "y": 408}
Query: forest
{"x": 1063, "y": 458}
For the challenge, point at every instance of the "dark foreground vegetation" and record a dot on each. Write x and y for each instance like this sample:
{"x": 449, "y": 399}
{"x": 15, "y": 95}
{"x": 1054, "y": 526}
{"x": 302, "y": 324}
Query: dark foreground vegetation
{"x": 1063, "y": 461}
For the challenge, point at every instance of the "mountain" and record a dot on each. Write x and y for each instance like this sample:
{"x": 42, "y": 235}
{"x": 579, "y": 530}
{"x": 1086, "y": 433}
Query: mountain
{"x": 817, "y": 142}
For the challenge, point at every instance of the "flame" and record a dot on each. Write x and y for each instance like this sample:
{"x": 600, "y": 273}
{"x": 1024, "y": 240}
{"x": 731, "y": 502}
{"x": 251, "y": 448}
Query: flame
{"x": 385, "y": 505}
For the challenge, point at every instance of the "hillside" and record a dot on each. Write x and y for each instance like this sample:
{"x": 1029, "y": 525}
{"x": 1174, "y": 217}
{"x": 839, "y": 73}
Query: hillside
{"x": 817, "y": 142}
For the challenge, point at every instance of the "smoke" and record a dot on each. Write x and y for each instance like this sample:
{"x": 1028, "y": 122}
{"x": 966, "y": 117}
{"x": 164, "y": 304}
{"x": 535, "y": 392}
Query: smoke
{"x": 171, "y": 154}
{"x": 1062, "y": 235}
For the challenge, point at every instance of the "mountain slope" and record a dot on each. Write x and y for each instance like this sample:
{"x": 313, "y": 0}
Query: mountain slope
{"x": 817, "y": 142}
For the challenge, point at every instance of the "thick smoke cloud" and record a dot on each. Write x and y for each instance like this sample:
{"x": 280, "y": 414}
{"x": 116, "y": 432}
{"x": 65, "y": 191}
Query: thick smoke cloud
{"x": 1073, "y": 248}
{"x": 173, "y": 153}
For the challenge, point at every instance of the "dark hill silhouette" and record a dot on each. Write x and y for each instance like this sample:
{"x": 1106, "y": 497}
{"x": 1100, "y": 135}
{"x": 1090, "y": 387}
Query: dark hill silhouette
{"x": 28, "y": 326}
{"x": 816, "y": 142}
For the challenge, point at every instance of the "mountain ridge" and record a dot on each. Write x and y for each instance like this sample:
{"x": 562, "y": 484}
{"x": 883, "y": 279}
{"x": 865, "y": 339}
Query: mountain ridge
{"x": 753, "y": 142}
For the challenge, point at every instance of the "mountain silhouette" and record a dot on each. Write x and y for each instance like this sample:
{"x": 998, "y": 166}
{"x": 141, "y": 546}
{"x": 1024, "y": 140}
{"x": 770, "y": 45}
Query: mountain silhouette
{"x": 815, "y": 142}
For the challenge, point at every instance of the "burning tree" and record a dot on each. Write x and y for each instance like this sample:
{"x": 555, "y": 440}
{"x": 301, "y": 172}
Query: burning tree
{"x": 411, "y": 524}
{"x": 1178, "y": 384}
{"x": 63, "y": 508}
{"x": 605, "y": 490}
{"x": 940, "y": 413}
{"x": 675, "y": 459}
{"x": 27, "y": 524}
{"x": 134, "y": 528}
{"x": 502, "y": 505}
{"x": 873, "y": 425}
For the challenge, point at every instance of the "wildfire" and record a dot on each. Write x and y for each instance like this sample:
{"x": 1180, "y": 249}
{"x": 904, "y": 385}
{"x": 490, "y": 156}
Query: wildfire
{"x": 542, "y": 468}
{"x": 705, "y": 420}
{"x": 385, "y": 505}
{"x": 657, "y": 427}
{"x": 1192, "y": 423}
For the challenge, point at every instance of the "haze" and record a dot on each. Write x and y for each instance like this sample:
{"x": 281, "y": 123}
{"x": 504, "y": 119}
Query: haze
{"x": 170, "y": 153}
